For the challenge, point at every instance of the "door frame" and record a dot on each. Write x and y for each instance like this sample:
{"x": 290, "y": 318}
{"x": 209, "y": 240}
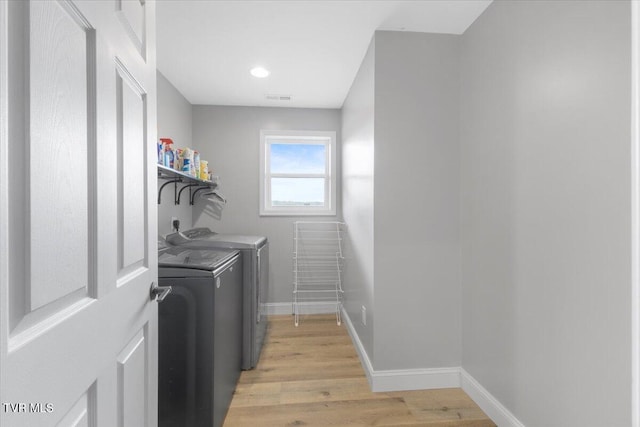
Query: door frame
{"x": 635, "y": 213}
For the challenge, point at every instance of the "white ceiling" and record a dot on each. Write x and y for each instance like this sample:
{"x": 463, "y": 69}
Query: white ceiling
{"x": 312, "y": 48}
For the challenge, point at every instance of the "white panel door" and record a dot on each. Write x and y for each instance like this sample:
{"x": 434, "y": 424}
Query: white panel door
{"x": 78, "y": 331}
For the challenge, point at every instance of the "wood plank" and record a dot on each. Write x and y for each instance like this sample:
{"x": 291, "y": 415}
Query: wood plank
{"x": 311, "y": 376}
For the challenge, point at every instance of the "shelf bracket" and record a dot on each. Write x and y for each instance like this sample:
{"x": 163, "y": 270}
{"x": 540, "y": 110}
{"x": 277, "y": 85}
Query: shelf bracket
{"x": 187, "y": 181}
{"x": 177, "y": 201}
{"x": 170, "y": 181}
{"x": 193, "y": 195}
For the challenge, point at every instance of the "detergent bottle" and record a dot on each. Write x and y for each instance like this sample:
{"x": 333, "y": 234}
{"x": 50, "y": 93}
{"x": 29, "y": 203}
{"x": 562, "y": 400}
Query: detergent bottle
{"x": 187, "y": 160}
{"x": 168, "y": 152}
{"x": 195, "y": 169}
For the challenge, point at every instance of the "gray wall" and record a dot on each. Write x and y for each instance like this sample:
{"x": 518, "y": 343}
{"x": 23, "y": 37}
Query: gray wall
{"x": 401, "y": 201}
{"x": 174, "y": 121}
{"x": 357, "y": 198}
{"x": 229, "y": 137}
{"x": 416, "y": 211}
{"x": 545, "y": 137}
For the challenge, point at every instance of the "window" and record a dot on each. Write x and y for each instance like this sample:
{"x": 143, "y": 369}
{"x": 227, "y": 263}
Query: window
{"x": 297, "y": 173}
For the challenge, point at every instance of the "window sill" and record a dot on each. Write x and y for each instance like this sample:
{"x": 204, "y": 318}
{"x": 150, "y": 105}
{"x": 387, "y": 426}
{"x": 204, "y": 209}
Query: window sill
{"x": 297, "y": 213}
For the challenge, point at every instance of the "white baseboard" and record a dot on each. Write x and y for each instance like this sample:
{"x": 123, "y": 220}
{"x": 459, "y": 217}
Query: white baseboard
{"x": 275, "y": 308}
{"x": 362, "y": 353}
{"x": 416, "y": 379}
{"x": 489, "y": 404}
{"x": 401, "y": 379}
{"x": 425, "y": 379}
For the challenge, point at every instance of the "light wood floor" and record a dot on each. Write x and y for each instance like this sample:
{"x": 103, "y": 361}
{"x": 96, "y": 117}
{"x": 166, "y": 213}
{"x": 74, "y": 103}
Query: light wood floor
{"x": 311, "y": 376}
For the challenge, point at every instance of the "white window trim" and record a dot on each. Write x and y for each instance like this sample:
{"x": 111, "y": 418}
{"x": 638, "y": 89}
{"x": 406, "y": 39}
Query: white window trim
{"x": 265, "y": 176}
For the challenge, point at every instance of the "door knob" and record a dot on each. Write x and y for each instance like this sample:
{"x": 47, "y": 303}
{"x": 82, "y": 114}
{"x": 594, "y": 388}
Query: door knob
{"x": 159, "y": 293}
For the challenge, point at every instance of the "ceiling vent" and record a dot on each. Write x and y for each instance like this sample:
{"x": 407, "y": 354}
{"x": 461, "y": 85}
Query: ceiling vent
{"x": 274, "y": 97}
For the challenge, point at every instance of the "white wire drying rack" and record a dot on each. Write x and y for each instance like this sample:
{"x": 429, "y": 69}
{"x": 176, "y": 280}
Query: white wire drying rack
{"x": 317, "y": 266}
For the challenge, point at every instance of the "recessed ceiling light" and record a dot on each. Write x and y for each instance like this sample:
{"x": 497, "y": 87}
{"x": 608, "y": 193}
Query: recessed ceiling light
{"x": 259, "y": 72}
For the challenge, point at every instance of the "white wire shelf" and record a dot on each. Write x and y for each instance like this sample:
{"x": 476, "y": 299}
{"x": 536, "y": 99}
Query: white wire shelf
{"x": 317, "y": 265}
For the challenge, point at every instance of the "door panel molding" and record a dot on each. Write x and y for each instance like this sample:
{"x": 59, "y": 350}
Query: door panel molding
{"x": 40, "y": 285}
{"x": 48, "y": 317}
{"x": 132, "y": 380}
{"x": 82, "y": 414}
{"x": 61, "y": 64}
{"x": 4, "y": 176}
{"x": 133, "y": 248}
{"x": 132, "y": 16}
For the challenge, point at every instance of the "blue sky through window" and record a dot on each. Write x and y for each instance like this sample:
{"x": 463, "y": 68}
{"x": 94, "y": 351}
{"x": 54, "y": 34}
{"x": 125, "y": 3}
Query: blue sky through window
{"x": 298, "y": 158}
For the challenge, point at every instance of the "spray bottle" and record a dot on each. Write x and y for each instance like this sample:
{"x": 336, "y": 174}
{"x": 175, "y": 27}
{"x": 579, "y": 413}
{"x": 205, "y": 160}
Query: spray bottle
{"x": 168, "y": 152}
